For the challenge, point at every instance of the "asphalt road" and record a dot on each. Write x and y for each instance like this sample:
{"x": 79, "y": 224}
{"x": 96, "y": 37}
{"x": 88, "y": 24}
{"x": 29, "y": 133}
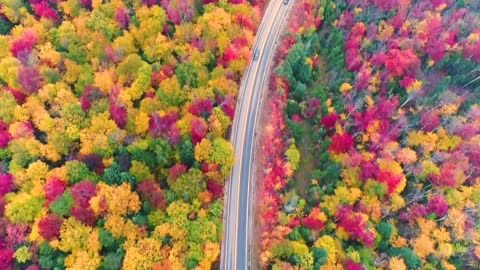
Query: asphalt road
{"x": 237, "y": 214}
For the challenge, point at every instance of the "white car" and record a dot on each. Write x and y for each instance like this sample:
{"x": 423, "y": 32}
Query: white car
{"x": 256, "y": 54}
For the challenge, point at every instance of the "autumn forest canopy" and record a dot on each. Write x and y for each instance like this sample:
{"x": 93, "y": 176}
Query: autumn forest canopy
{"x": 115, "y": 118}
{"x": 113, "y": 130}
{"x": 376, "y": 142}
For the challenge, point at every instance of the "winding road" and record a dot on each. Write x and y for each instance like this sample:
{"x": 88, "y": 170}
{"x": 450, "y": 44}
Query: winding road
{"x": 237, "y": 214}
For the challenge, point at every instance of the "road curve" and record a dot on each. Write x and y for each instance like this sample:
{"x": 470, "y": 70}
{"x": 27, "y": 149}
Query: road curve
{"x": 237, "y": 213}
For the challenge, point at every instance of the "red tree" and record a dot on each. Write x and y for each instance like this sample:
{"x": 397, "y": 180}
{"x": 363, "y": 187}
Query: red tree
{"x": 5, "y": 135}
{"x": 49, "y": 226}
{"x": 438, "y": 205}
{"x": 122, "y": 17}
{"x": 6, "y": 183}
{"x": 176, "y": 170}
{"x": 352, "y": 265}
{"x": 341, "y": 143}
{"x": 354, "y": 225}
{"x": 151, "y": 191}
{"x": 53, "y": 189}
{"x": 330, "y": 120}
{"x": 118, "y": 114}
{"x": 201, "y": 107}
{"x": 215, "y": 188}
{"x": 160, "y": 125}
{"x": 22, "y": 47}
{"x": 29, "y": 79}
{"x": 312, "y": 221}
{"x": 82, "y": 192}
{"x": 85, "y": 215}
{"x": 6, "y": 257}
{"x": 429, "y": 121}
{"x": 86, "y": 4}
{"x": 198, "y": 130}
{"x": 17, "y": 94}
{"x": 390, "y": 179}
{"x": 400, "y": 62}
{"x": 227, "y": 103}
{"x": 44, "y": 10}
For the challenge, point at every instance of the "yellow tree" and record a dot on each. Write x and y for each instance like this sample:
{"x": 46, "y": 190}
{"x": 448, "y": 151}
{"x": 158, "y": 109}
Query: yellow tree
{"x": 203, "y": 150}
{"x": 101, "y": 135}
{"x": 120, "y": 200}
{"x": 82, "y": 243}
{"x": 143, "y": 255}
{"x": 151, "y": 21}
{"x": 115, "y": 202}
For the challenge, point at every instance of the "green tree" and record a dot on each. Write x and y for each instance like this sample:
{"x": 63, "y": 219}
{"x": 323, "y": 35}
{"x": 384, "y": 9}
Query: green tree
{"x": 295, "y": 235}
{"x": 296, "y": 130}
{"x": 49, "y": 258}
{"x": 187, "y": 74}
{"x": 385, "y": 230}
{"x": 202, "y": 229}
{"x": 320, "y": 256}
{"x": 113, "y": 260}
{"x": 5, "y": 27}
{"x": 102, "y": 20}
{"x": 111, "y": 174}
{"x": 127, "y": 69}
{"x": 170, "y": 93}
{"x": 107, "y": 240}
{"x": 293, "y": 108}
{"x": 67, "y": 40}
{"x": 85, "y": 78}
{"x": 139, "y": 151}
{"x": 78, "y": 171}
{"x": 296, "y": 61}
{"x": 187, "y": 152}
{"x": 189, "y": 184}
{"x": 163, "y": 151}
{"x": 150, "y": 23}
{"x": 24, "y": 151}
{"x": 295, "y": 252}
{"x": 299, "y": 92}
{"x": 222, "y": 153}
{"x": 61, "y": 206}
{"x": 411, "y": 260}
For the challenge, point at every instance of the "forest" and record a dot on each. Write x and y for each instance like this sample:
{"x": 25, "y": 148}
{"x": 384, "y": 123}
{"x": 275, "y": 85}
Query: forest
{"x": 114, "y": 119}
{"x": 372, "y": 148}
